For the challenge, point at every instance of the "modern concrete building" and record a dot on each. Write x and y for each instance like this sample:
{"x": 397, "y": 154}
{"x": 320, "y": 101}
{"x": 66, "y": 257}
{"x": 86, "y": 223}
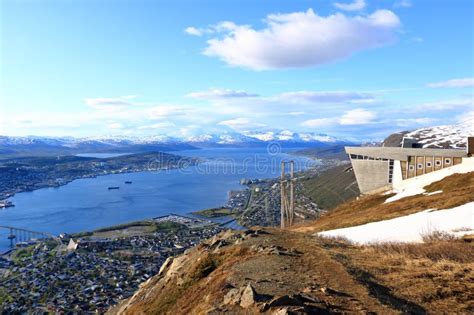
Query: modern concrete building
{"x": 378, "y": 168}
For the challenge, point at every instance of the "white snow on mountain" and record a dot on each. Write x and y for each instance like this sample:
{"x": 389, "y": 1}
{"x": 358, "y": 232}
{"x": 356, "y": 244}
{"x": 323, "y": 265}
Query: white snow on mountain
{"x": 225, "y": 138}
{"x": 317, "y": 137}
{"x": 453, "y": 136}
{"x": 287, "y": 135}
{"x": 199, "y": 138}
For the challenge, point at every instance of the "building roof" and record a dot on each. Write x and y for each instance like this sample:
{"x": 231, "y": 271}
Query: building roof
{"x": 402, "y": 154}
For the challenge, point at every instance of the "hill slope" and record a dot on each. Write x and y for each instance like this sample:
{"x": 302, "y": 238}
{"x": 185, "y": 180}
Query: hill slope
{"x": 332, "y": 186}
{"x": 307, "y": 274}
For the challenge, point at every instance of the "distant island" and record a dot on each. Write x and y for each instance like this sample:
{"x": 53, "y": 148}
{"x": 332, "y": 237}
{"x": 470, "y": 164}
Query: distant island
{"x": 31, "y": 173}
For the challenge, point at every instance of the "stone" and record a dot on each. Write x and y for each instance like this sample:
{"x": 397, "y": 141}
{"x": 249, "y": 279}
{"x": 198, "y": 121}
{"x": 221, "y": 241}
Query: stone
{"x": 307, "y": 289}
{"x": 290, "y": 300}
{"x": 283, "y": 311}
{"x": 165, "y": 265}
{"x": 249, "y": 297}
{"x": 232, "y": 297}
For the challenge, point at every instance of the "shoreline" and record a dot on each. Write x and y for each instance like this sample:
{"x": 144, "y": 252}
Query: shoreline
{"x": 234, "y": 213}
{"x": 68, "y": 181}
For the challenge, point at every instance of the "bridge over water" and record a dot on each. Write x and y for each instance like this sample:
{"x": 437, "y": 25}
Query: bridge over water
{"x": 17, "y": 235}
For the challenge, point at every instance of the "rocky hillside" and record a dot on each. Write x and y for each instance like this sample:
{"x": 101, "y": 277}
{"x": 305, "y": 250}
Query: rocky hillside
{"x": 294, "y": 271}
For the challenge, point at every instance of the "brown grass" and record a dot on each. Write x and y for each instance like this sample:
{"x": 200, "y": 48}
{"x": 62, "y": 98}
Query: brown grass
{"x": 458, "y": 189}
{"x": 203, "y": 271}
{"x": 434, "y": 250}
{"x": 456, "y": 182}
{"x": 436, "y": 276}
{"x": 437, "y": 236}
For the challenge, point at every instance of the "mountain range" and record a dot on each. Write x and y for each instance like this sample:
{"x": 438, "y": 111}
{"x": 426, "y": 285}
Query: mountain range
{"x": 68, "y": 145}
{"x": 445, "y": 136}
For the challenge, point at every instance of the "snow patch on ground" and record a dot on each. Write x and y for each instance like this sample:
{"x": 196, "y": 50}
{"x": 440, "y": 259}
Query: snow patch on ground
{"x": 414, "y": 186}
{"x": 433, "y": 193}
{"x": 457, "y": 221}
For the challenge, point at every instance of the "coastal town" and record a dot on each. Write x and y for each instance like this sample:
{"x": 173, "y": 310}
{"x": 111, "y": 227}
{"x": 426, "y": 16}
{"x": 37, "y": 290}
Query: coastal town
{"x": 95, "y": 269}
{"x": 263, "y": 205}
{"x": 31, "y": 173}
{"x": 92, "y": 271}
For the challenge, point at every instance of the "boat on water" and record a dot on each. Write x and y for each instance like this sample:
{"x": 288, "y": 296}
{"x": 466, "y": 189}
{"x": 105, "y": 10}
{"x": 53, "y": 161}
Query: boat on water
{"x": 6, "y": 204}
{"x": 113, "y": 187}
{"x": 128, "y": 182}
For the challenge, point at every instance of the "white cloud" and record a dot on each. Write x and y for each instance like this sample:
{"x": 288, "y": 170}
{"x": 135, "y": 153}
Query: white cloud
{"x": 106, "y": 102}
{"x": 466, "y": 118}
{"x": 193, "y": 31}
{"x": 297, "y": 97}
{"x": 454, "y": 83}
{"x": 357, "y": 116}
{"x": 164, "y": 111}
{"x": 353, "y": 6}
{"x": 325, "y": 96}
{"x": 115, "y": 126}
{"x": 302, "y": 39}
{"x": 219, "y": 93}
{"x": 403, "y": 4}
{"x": 410, "y": 122}
{"x": 240, "y": 123}
{"x": 446, "y": 104}
{"x": 160, "y": 125}
{"x": 295, "y": 113}
{"x": 417, "y": 39}
{"x": 129, "y": 97}
{"x": 318, "y": 122}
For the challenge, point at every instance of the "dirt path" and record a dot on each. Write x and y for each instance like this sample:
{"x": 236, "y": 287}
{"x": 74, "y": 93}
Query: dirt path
{"x": 301, "y": 266}
{"x": 287, "y": 271}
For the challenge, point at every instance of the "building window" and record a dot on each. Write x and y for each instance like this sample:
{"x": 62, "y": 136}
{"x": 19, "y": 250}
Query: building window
{"x": 420, "y": 166}
{"x": 447, "y": 161}
{"x": 412, "y": 167}
{"x": 390, "y": 172}
{"x": 428, "y": 164}
{"x": 438, "y": 163}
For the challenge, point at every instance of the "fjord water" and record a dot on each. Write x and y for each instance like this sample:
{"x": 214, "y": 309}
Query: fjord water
{"x": 87, "y": 204}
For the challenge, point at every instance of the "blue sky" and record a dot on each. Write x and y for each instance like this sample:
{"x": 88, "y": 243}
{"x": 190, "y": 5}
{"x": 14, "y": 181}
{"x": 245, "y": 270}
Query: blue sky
{"x": 350, "y": 68}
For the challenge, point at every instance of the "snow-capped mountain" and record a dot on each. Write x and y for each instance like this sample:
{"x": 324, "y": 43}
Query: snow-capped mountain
{"x": 225, "y": 138}
{"x": 252, "y": 138}
{"x": 445, "y": 136}
{"x": 287, "y": 135}
{"x": 69, "y": 145}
